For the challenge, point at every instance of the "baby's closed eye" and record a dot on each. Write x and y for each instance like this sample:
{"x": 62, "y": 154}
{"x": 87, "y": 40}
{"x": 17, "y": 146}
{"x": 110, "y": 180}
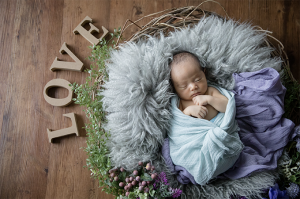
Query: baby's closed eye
{"x": 198, "y": 79}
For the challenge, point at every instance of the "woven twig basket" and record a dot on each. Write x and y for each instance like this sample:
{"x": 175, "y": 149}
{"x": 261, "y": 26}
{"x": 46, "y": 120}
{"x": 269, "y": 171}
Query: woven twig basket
{"x": 177, "y": 18}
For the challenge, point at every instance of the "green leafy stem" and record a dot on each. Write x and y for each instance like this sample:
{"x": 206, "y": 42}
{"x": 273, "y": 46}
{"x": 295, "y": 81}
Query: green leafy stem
{"x": 89, "y": 96}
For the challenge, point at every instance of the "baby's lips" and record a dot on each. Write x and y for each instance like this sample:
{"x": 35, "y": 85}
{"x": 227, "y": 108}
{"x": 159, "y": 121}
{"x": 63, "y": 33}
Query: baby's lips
{"x": 195, "y": 95}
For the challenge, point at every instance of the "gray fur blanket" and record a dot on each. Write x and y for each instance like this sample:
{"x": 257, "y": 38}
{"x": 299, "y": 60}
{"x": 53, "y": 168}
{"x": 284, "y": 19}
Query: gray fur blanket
{"x": 137, "y": 95}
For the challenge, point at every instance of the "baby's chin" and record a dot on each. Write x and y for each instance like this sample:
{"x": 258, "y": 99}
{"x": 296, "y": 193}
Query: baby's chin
{"x": 186, "y": 99}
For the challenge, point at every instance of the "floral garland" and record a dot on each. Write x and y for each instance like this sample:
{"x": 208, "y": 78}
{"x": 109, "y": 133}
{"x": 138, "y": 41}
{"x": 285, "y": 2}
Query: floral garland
{"x": 141, "y": 183}
{"x": 144, "y": 182}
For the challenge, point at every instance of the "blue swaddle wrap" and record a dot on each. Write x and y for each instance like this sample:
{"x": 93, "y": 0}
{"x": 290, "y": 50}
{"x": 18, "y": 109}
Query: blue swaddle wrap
{"x": 204, "y": 148}
{"x": 213, "y": 119}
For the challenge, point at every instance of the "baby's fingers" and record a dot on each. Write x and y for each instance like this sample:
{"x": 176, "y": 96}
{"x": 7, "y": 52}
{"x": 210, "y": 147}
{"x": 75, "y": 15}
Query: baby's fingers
{"x": 202, "y": 113}
{"x": 205, "y": 109}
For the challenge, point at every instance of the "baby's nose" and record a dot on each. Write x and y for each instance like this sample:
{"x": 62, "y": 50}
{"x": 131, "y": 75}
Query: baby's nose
{"x": 193, "y": 86}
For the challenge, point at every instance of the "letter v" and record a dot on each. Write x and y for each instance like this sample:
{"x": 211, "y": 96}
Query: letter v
{"x": 63, "y": 65}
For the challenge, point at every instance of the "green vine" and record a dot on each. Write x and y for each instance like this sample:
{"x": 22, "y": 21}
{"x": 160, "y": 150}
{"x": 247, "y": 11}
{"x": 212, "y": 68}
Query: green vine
{"x": 292, "y": 98}
{"x": 89, "y": 96}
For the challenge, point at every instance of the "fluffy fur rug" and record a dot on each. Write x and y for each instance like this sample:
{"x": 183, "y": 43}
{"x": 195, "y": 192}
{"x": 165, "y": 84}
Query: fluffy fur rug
{"x": 138, "y": 92}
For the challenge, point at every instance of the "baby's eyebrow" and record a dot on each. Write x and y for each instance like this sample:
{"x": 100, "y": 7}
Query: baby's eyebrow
{"x": 180, "y": 83}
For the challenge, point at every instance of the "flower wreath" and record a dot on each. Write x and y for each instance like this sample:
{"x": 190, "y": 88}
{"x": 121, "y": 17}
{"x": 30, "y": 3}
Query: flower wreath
{"x": 130, "y": 102}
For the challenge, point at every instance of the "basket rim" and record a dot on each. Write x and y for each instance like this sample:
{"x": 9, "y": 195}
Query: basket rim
{"x": 178, "y": 18}
{"x": 190, "y": 15}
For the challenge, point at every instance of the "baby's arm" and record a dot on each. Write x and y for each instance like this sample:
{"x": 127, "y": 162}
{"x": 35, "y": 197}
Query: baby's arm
{"x": 214, "y": 98}
{"x": 196, "y": 111}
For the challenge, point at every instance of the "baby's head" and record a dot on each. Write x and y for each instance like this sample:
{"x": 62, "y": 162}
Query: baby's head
{"x": 187, "y": 76}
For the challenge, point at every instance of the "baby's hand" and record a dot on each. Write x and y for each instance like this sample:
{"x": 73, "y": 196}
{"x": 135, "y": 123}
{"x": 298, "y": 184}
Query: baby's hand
{"x": 196, "y": 111}
{"x": 201, "y": 100}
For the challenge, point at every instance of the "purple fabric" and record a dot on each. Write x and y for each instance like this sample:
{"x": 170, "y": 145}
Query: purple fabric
{"x": 259, "y": 100}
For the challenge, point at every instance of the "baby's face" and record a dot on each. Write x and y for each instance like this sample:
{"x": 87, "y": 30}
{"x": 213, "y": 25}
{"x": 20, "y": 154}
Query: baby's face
{"x": 188, "y": 79}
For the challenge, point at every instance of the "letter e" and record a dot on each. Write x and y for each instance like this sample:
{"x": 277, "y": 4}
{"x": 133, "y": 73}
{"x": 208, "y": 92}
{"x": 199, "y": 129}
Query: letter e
{"x": 88, "y": 34}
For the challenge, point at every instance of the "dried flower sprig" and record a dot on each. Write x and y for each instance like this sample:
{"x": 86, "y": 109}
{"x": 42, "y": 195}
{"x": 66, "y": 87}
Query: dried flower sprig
{"x": 142, "y": 183}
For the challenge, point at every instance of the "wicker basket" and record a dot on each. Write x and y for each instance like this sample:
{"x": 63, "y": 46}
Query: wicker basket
{"x": 177, "y": 18}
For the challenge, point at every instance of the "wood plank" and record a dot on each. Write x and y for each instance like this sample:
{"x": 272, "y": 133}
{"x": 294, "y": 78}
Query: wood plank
{"x": 66, "y": 159}
{"x": 24, "y": 154}
{"x": 31, "y": 35}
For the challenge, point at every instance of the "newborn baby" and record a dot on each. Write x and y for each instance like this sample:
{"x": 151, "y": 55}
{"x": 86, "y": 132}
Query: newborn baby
{"x": 189, "y": 81}
{"x": 206, "y": 144}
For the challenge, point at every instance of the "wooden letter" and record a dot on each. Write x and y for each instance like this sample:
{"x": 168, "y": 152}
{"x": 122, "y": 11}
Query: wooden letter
{"x": 88, "y": 34}
{"x": 63, "y": 65}
{"x": 65, "y": 131}
{"x": 58, "y": 83}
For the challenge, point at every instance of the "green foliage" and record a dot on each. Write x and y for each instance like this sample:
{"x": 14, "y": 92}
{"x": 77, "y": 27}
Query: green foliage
{"x": 295, "y": 168}
{"x": 146, "y": 177}
{"x": 292, "y": 98}
{"x": 290, "y": 170}
{"x": 89, "y": 96}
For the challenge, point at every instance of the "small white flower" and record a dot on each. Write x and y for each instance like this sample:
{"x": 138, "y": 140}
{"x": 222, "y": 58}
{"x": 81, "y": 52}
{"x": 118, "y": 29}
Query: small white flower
{"x": 294, "y": 169}
{"x": 293, "y": 190}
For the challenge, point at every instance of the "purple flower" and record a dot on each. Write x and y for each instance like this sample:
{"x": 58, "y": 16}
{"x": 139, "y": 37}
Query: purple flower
{"x": 162, "y": 177}
{"x": 176, "y": 193}
{"x": 154, "y": 185}
{"x": 275, "y": 193}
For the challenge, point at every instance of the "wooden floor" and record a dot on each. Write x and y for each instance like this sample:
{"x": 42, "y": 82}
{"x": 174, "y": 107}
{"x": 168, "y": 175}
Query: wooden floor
{"x": 31, "y": 34}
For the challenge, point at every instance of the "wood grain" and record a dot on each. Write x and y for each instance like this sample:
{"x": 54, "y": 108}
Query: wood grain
{"x": 31, "y": 35}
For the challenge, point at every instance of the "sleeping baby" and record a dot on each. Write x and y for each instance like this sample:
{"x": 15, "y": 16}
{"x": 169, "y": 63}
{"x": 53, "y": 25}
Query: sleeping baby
{"x": 189, "y": 81}
{"x": 206, "y": 144}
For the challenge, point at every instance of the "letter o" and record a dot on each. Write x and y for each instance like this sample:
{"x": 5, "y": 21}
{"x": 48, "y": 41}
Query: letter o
{"x": 58, "y": 83}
